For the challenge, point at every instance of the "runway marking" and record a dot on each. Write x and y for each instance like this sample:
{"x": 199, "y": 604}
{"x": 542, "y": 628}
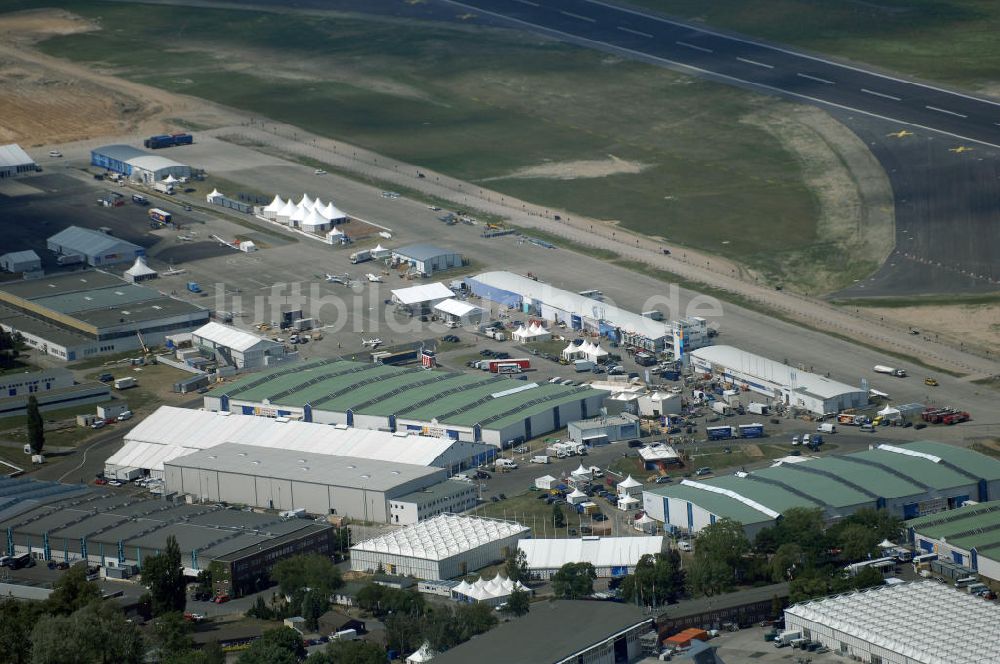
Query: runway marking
{"x": 816, "y": 78}
{"x": 582, "y": 18}
{"x": 755, "y": 63}
{"x": 881, "y": 94}
{"x": 528, "y": 2}
{"x": 727, "y": 77}
{"x": 697, "y": 48}
{"x": 635, "y": 32}
{"x": 945, "y": 110}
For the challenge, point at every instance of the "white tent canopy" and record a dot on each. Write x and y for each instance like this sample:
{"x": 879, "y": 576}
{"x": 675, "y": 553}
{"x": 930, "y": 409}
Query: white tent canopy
{"x": 493, "y": 591}
{"x": 532, "y": 332}
{"x": 576, "y": 497}
{"x": 457, "y": 308}
{"x": 300, "y": 213}
{"x": 331, "y": 212}
{"x": 629, "y": 483}
{"x": 572, "y": 351}
{"x": 215, "y": 194}
{"x": 275, "y": 205}
{"x": 546, "y": 482}
{"x": 139, "y": 270}
{"x": 306, "y": 202}
{"x": 170, "y": 179}
{"x": 286, "y": 211}
{"x": 313, "y": 220}
{"x": 425, "y": 654}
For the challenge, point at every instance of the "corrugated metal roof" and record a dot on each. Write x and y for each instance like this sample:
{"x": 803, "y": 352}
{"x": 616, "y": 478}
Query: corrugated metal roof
{"x": 967, "y": 527}
{"x": 598, "y": 551}
{"x": 154, "y": 163}
{"x": 19, "y": 256}
{"x": 771, "y": 370}
{"x": 231, "y": 337}
{"x": 422, "y": 251}
{"x": 91, "y": 243}
{"x": 14, "y": 155}
{"x": 119, "y": 152}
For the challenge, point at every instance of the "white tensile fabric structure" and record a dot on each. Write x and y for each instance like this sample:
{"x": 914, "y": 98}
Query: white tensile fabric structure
{"x": 424, "y": 654}
{"x": 457, "y": 308}
{"x": 609, "y": 555}
{"x": 305, "y": 201}
{"x": 546, "y": 482}
{"x": 576, "y": 497}
{"x": 571, "y": 352}
{"x": 313, "y": 220}
{"x": 317, "y": 205}
{"x": 210, "y": 198}
{"x": 629, "y": 486}
{"x": 626, "y": 503}
{"x": 441, "y": 547}
{"x": 592, "y": 352}
{"x": 333, "y": 213}
{"x": 284, "y": 215}
{"x": 140, "y": 271}
{"x": 583, "y": 473}
{"x": 273, "y": 208}
{"x": 424, "y": 293}
{"x": 170, "y": 179}
{"x": 920, "y": 622}
{"x": 532, "y": 332}
{"x": 491, "y": 592}
{"x": 301, "y": 211}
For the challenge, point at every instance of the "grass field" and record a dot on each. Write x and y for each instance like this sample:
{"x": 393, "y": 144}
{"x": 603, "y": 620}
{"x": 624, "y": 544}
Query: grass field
{"x": 951, "y": 41}
{"x": 693, "y": 170}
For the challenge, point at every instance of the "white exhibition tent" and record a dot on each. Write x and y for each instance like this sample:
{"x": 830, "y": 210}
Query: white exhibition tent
{"x": 582, "y": 473}
{"x": 435, "y": 293}
{"x": 572, "y": 352}
{"x": 332, "y": 213}
{"x": 314, "y": 221}
{"x": 546, "y": 482}
{"x": 170, "y": 179}
{"x": 491, "y": 592}
{"x": 140, "y": 271}
{"x": 301, "y": 211}
{"x": 629, "y": 486}
{"x": 458, "y": 309}
{"x": 576, "y": 497}
{"x": 626, "y": 503}
{"x": 424, "y": 654}
{"x": 305, "y": 202}
{"x": 210, "y": 198}
{"x": 609, "y": 555}
{"x": 284, "y": 215}
{"x": 532, "y": 332}
{"x": 272, "y": 209}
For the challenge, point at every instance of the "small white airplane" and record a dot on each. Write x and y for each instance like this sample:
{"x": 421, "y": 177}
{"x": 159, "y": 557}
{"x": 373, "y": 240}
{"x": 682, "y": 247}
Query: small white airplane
{"x": 371, "y": 343}
{"x": 338, "y": 279}
{"x": 385, "y": 235}
{"x": 374, "y": 278}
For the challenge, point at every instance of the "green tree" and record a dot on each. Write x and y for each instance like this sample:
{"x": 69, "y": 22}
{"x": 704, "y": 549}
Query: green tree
{"x": 785, "y": 562}
{"x": 36, "y": 427}
{"x": 776, "y": 607}
{"x": 72, "y": 591}
{"x": 260, "y": 610}
{"x": 867, "y": 577}
{"x": 276, "y": 646}
{"x": 380, "y": 600}
{"x": 211, "y": 653}
{"x": 403, "y": 631}
{"x": 163, "y": 575}
{"x": 709, "y": 576}
{"x": 558, "y": 518}
{"x": 518, "y": 604}
{"x": 883, "y": 523}
{"x": 314, "y": 604}
{"x": 173, "y": 633}
{"x": 474, "y": 619}
{"x": 516, "y": 565}
{"x": 206, "y": 586}
{"x": 657, "y": 580}
{"x": 349, "y": 652}
{"x": 722, "y": 544}
{"x": 804, "y": 526}
{"x": 308, "y": 571}
{"x": 857, "y": 541}
{"x": 96, "y": 634}
{"x": 17, "y": 619}
{"x": 574, "y": 580}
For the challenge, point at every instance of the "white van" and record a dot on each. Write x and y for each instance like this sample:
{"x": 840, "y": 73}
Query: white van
{"x": 541, "y": 458}
{"x": 827, "y": 427}
{"x": 506, "y": 463}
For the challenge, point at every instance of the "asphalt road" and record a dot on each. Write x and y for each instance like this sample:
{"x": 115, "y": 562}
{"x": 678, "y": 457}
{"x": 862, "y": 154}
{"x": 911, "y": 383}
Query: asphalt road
{"x": 744, "y": 61}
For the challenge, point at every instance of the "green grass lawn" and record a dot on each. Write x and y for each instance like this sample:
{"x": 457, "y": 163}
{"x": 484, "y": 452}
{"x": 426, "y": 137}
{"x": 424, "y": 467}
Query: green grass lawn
{"x": 952, "y": 41}
{"x": 418, "y": 92}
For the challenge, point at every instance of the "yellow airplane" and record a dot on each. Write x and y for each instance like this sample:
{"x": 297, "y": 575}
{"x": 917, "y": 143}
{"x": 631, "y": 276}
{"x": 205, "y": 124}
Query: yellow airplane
{"x": 902, "y": 133}
{"x": 960, "y": 149}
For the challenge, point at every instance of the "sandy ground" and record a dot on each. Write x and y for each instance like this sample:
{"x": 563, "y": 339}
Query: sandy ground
{"x": 47, "y": 101}
{"x": 579, "y": 169}
{"x": 968, "y": 323}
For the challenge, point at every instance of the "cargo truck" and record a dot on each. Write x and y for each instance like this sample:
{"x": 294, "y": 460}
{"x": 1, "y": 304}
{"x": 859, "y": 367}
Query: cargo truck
{"x": 882, "y": 369}
{"x": 851, "y": 420}
{"x": 361, "y": 256}
{"x": 164, "y": 187}
{"x": 719, "y": 433}
{"x": 583, "y": 365}
{"x": 827, "y": 427}
{"x": 125, "y": 383}
{"x": 758, "y": 408}
{"x": 754, "y": 430}
{"x": 161, "y": 216}
{"x": 721, "y": 408}
{"x": 168, "y": 141}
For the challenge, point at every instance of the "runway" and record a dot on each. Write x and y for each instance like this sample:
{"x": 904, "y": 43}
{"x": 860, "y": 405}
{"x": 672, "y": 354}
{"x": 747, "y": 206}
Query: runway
{"x": 771, "y": 68}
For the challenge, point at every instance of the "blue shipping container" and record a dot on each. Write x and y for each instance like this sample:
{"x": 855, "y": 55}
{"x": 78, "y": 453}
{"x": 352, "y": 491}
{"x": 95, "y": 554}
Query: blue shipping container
{"x": 751, "y": 431}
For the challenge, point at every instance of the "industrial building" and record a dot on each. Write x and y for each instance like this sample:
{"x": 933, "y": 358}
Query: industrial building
{"x": 908, "y": 480}
{"x": 610, "y": 556}
{"x": 172, "y": 432}
{"x": 14, "y": 161}
{"x": 52, "y": 388}
{"x": 424, "y": 296}
{"x": 94, "y": 247}
{"x": 443, "y": 547}
{"x": 560, "y": 632}
{"x": 920, "y": 622}
{"x": 968, "y": 535}
{"x": 781, "y": 383}
{"x": 604, "y": 430}
{"x": 450, "y": 404}
{"x": 426, "y": 258}
{"x": 70, "y": 522}
{"x": 21, "y": 261}
{"x": 451, "y": 497}
{"x": 84, "y": 314}
{"x": 236, "y": 348}
{"x": 137, "y": 165}
{"x": 459, "y": 311}
{"x": 277, "y": 479}
{"x": 587, "y": 312}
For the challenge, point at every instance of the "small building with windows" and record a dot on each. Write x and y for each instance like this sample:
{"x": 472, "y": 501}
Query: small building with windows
{"x": 21, "y": 261}
{"x": 427, "y": 258}
{"x": 14, "y": 161}
{"x": 453, "y": 496}
{"x": 237, "y": 348}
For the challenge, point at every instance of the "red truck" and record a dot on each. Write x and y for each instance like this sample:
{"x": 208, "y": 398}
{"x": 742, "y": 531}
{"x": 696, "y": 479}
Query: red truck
{"x": 520, "y": 363}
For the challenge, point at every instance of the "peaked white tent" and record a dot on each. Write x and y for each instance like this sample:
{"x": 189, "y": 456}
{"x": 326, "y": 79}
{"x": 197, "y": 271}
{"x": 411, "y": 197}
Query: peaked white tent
{"x": 332, "y": 213}
{"x": 317, "y": 205}
{"x": 214, "y": 195}
{"x": 314, "y": 222}
{"x": 626, "y": 503}
{"x": 301, "y": 211}
{"x": 335, "y": 236}
{"x": 492, "y": 592}
{"x": 582, "y": 472}
{"x": 140, "y": 271}
{"x": 546, "y": 482}
{"x": 576, "y": 497}
{"x": 532, "y": 332}
{"x": 271, "y": 210}
{"x": 284, "y": 215}
{"x": 379, "y": 251}
{"x": 571, "y": 352}
{"x": 305, "y": 202}
{"x": 629, "y": 487}
{"x": 593, "y": 352}
{"x": 425, "y": 654}
{"x": 170, "y": 179}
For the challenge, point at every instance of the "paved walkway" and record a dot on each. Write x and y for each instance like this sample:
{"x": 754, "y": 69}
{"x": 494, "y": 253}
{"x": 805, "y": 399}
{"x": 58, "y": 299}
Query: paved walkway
{"x": 688, "y": 264}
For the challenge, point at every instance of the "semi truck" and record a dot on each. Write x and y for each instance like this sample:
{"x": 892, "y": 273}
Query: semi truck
{"x": 755, "y": 430}
{"x": 721, "y": 408}
{"x": 362, "y": 256}
{"x": 163, "y": 187}
{"x": 520, "y": 362}
{"x": 161, "y": 216}
{"x": 890, "y": 371}
{"x": 168, "y": 140}
{"x": 719, "y": 433}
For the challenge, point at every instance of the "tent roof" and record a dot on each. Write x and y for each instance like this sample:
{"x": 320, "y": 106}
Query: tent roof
{"x": 442, "y": 537}
{"x": 598, "y": 551}
{"x": 217, "y": 194}
{"x": 332, "y": 212}
{"x": 230, "y": 337}
{"x": 422, "y": 293}
{"x": 305, "y": 201}
{"x": 456, "y": 307}
{"x": 629, "y": 483}
{"x": 139, "y": 268}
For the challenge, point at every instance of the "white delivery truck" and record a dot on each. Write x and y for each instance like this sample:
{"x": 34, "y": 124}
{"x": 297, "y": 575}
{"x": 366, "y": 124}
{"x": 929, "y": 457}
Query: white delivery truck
{"x": 721, "y": 408}
{"x": 540, "y": 458}
{"x": 786, "y": 637}
{"x": 164, "y": 187}
{"x": 125, "y": 383}
{"x": 507, "y": 464}
{"x": 827, "y": 427}
{"x": 758, "y": 408}
{"x": 882, "y": 369}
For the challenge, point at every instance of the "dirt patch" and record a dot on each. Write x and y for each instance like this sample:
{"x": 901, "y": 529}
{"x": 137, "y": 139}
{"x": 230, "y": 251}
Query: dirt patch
{"x": 975, "y": 324}
{"x": 753, "y": 450}
{"x": 854, "y": 194}
{"x": 574, "y": 170}
{"x": 48, "y": 101}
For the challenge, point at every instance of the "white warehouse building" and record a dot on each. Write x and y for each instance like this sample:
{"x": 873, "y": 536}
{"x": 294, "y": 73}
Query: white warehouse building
{"x": 172, "y": 432}
{"x": 610, "y": 556}
{"x": 238, "y": 348}
{"x": 440, "y": 548}
{"x": 782, "y": 383}
{"x": 14, "y": 161}
{"x": 587, "y": 312}
{"x": 921, "y": 622}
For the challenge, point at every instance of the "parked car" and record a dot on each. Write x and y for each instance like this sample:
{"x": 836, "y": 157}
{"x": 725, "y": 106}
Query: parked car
{"x": 100, "y": 481}
{"x": 114, "y": 483}
{"x": 685, "y": 546}
{"x": 220, "y": 599}
{"x": 663, "y": 479}
{"x": 106, "y": 378}
{"x": 704, "y": 470}
{"x": 635, "y": 443}
{"x": 97, "y": 424}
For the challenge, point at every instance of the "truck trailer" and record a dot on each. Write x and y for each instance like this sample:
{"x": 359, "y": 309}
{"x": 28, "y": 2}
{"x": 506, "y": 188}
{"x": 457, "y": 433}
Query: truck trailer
{"x": 719, "y": 433}
{"x": 890, "y": 371}
{"x": 755, "y": 430}
{"x": 125, "y": 383}
{"x": 161, "y": 216}
{"x": 164, "y": 187}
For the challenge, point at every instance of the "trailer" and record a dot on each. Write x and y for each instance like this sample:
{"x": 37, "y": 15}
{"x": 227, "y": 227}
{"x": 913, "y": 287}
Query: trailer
{"x": 125, "y": 383}
{"x": 362, "y": 256}
{"x": 163, "y": 187}
{"x": 520, "y": 362}
{"x": 758, "y": 408}
{"x": 721, "y": 408}
{"x": 755, "y": 430}
{"x": 394, "y": 357}
{"x": 583, "y": 365}
{"x": 160, "y": 216}
{"x": 890, "y": 371}
{"x": 670, "y": 374}
{"x": 719, "y": 433}
{"x": 851, "y": 420}
{"x": 168, "y": 140}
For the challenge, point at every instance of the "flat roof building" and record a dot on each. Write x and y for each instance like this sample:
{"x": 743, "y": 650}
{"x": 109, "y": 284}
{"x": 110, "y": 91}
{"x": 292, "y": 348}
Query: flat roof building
{"x": 443, "y": 547}
{"x": 137, "y": 165}
{"x": 21, "y": 261}
{"x": 427, "y": 258}
{"x": 586, "y": 312}
{"x": 171, "y": 432}
{"x": 83, "y": 314}
{"x": 53, "y": 388}
{"x": 451, "y": 497}
{"x": 95, "y": 247}
{"x": 449, "y": 404}
{"x": 276, "y": 479}
{"x": 780, "y": 382}
{"x": 967, "y": 535}
{"x": 426, "y": 295}
{"x": 920, "y": 622}
{"x": 908, "y": 480}
{"x": 14, "y": 161}
{"x": 604, "y": 430}
{"x": 559, "y": 632}
{"x": 236, "y": 348}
